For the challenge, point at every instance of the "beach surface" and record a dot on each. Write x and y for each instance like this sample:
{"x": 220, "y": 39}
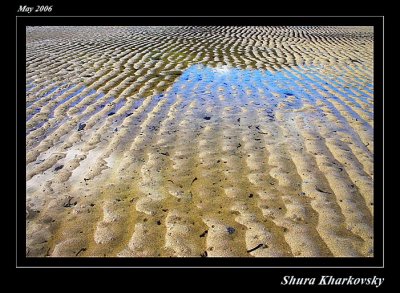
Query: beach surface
{"x": 199, "y": 141}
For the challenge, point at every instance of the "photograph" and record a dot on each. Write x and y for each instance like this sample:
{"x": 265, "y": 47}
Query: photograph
{"x": 200, "y": 141}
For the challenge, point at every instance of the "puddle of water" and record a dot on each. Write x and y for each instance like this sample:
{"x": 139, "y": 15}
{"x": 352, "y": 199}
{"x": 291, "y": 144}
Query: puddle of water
{"x": 83, "y": 108}
{"x": 81, "y": 98}
{"x": 51, "y": 91}
{"x": 29, "y": 87}
{"x": 66, "y": 99}
{"x": 29, "y": 117}
{"x": 117, "y": 106}
{"x": 232, "y": 83}
{"x": 263, "y": 90}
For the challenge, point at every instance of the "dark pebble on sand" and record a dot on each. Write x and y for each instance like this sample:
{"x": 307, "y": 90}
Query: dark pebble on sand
{"x": 81, "y": 126}
{"x": 207, "y": 118}
{"x": 230, "y": 230}
{"x": 58, "y": 167}
{"x": 204, "y": 254}
{"x": 204, "y": 233}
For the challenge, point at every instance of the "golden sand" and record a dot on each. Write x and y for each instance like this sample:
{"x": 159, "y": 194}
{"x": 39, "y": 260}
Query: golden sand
{"x": 199, "y": 141}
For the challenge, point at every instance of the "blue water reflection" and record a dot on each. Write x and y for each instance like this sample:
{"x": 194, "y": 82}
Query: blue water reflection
{"x": 233, "y": 83}
{"x": 296, "y": 85}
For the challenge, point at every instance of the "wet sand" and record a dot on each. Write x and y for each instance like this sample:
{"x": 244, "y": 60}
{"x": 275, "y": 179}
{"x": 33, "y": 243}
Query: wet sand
{"x": 199, "y": 141}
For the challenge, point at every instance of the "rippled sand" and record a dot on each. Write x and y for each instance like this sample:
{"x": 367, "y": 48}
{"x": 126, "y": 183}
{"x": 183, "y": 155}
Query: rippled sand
{"x": 199, "y": 141}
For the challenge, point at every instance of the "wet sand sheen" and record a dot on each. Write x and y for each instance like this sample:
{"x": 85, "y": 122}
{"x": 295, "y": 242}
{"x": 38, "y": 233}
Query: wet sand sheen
{"x": 199, "y": 141}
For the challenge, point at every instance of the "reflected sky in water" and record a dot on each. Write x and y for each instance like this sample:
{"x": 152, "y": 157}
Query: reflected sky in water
{"x": 296, "y": 86}
{"x": 232, "y": 83}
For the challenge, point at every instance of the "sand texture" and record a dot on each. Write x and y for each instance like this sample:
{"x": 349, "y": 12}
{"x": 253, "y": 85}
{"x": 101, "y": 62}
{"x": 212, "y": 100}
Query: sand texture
{"x": 199, "y": 141}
